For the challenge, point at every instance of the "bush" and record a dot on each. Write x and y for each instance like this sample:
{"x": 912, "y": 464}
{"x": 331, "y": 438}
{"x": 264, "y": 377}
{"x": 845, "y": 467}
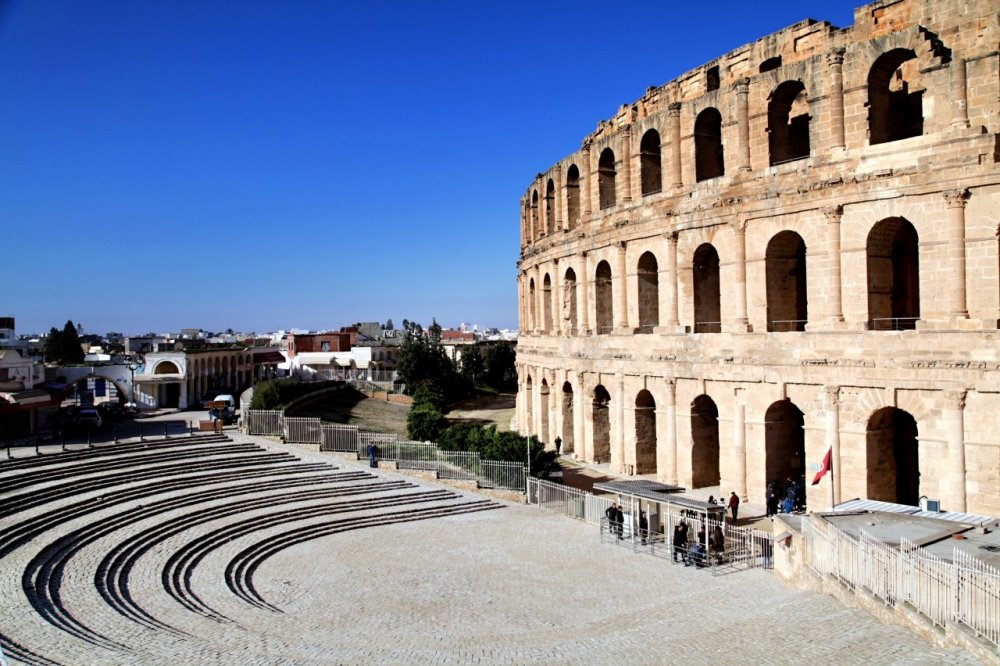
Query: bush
{"x": 424, "y": 422}
{"x": 266, "y": 396}
{"x": 492, "y": 444}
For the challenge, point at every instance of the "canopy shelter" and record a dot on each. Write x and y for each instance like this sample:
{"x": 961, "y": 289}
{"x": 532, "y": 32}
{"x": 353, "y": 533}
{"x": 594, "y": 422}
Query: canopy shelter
{"x": 640, "y": 494}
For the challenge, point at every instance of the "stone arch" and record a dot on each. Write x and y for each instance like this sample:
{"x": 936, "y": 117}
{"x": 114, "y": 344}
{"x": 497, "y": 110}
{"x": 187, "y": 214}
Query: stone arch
{"x": 785, "y": 267}
{"x": 707, "y": 294}
{"x": 704, "y": 443}
{"x": 543, "y": 411}
{"x": 893, "y": 262}
{"x": 567, "y": 418}
{"x": 892, "y": 456}
{"x": 603, "y": 298}
{"x": 166, "y": 368}
{"x": 550, "y": 207}
{"x": 709, "y": 156}
{"x": 120, "y": 390}
{"x": 547, "y": 303}
{"x": 572, "y": 196}
{"x": 569, "y": 299}
{"x": 601, "y": 412}
{"x": 606, "y": 175}
{"x": 532, "y": 305}
{"x": 895, "y": 97}
{"x": 536, "y": 230}
{"x": 788, "y": 122}
{"x": 785, "y": 444}
{"x": 650, "y": 170}
{"x": 649, "y": 292}
{"x": 645, "y": 433}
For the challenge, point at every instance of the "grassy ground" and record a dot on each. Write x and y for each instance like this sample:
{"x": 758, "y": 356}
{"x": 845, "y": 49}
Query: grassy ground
{"x": 496, "y": 409}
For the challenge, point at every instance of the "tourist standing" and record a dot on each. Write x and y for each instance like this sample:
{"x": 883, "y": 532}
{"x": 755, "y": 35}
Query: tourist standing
{"x": 680, "y": 541}
{"x": 643, "y": 527}
{"x": 558, "y": 444}
{"x": 734, "y": 505}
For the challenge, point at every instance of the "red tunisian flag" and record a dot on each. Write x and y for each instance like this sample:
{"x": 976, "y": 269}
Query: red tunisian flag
{"x": 827, "y": 465}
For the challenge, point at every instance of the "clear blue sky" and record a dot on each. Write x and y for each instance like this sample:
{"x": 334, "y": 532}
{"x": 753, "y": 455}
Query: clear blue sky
{"x": 283, "y": 163}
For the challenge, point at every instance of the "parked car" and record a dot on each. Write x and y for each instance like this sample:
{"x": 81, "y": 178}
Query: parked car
{"x": 89, "y": 418}
{"x": 111, "y": 411}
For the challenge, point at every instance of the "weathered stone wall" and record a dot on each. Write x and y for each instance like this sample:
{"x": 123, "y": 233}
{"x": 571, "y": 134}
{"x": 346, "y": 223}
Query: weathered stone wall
{"x": 842, "y": 272}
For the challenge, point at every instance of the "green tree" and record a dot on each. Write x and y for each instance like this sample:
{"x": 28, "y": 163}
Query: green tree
{"x": 63, "y": 347}
{"x": 473, "y": 366}
{"x": 424, "y": 423}
{"x": 499, "y": 371}
{"x": 388, "y": 325}
{"x": 492, "y": 444}
{"x": 422, "y": 359}
{"x": 266, "y": 396}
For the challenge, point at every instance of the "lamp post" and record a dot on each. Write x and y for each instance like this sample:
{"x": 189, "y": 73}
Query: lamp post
{"x": 132, "y": 365}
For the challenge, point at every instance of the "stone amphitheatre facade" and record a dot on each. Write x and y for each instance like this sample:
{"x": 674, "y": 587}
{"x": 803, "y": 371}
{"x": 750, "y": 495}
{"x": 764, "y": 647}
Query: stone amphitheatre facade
{"x": 789, "y": 250}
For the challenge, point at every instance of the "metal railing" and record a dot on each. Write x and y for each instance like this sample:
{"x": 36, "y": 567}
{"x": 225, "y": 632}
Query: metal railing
{"x": 339, "y": 437}
{"x": 303, "y": 430}
{"x": 708, "y": 327}
{"x": 893, "y": 323}
{"x": 267, "y": 422}
{"x": 502, "y": 474}
{"x": 965, "y": 590}
{"x": 788, "y": 325}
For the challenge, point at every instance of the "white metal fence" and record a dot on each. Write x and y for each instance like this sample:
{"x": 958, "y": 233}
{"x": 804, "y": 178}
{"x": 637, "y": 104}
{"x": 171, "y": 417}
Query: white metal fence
{"x": 965, "y": 590}
{"x": 301, "y": 430}
{"x": 268, "y": 422}
{"x": 339, "y": 437}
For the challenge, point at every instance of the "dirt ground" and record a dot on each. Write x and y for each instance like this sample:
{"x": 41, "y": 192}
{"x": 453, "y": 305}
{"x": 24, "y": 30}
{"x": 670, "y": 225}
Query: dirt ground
{"x": 486, "y": 409}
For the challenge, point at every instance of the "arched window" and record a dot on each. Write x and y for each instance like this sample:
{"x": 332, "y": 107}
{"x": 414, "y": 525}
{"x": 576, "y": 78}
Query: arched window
{"x": 708, "y": 154}
{"x": 788, "y": 123}
{"x": 707, "y": 306}
{"x": 567, "y": 418}
{"x": 893, "y": 275}
{"x": 532, "y": 317}
{"x": 895, "y": 98}
{"x": 893, "y": 461}
{"x": 569, "y": 299}
{"x": 573, "y": 196}
{"x": 649, "y": 162}
{"x": 785, "y": 265}
{"x": 602, "y": 424}
{"x": 785, "y": 446}
{"x": 606, "y": 178}
{"x": 704, "y": 442}
{"x": 645, "y": 433}
{"x": 547, "y": 303}
{"x": 536, "y": 227}
{"x": 603, "y": 298}
{"x": 649, "y": 293}
{"x": 770, "y": 64}
{"x": 550, "y": 207}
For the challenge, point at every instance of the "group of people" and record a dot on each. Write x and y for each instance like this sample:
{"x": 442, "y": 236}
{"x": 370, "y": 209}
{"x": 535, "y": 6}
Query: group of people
{"x": 693, "y": 552}
{"x": 733, "y": 503}
{"x": 785, "y": 498}
{"x": 616, "y": 519}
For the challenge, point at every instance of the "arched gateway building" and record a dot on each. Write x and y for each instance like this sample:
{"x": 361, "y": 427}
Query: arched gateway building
{"x": 790, "y": 250}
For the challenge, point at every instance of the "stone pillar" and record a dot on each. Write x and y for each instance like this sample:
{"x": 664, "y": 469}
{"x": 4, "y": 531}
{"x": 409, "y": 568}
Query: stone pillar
{"x": 626, "y": 134}
{"x": 674, "y": 135}
{"x": 670, "y": 305}
{"x": 557, "y": 316}
{"x": 742, "y": 90}
{"x": 558, "y": 216}
{"x": 543, "y": 216}
{"x": 618, "y": 442}
{"x": 959, "y": 104}
{"x": 835, "y": 69}
{"x": 621, "y": 295}
{"x": 833, "y": 215}
{"x": 955, "y": 303}
{"x": 832, "y": 399}
{"x": 954, "y": 430}
{"x": 740, "y": 450}
{"x": 587, "y": 173}
{"x": 739, "y": 323}
{"x": 671, "y": 409}
{"x": 583, "y": 297}
{"x": 583, "y": 446}
{"x": 539, "y": 301}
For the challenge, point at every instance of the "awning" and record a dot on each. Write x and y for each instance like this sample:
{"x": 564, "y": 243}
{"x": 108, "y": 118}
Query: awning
{"x": 166, "y": 378}
{"x": 29, "y": 397}
{"x": 661, "y": 493}
{"x": 268, "y": 357}
{"x": 315, "y": 358}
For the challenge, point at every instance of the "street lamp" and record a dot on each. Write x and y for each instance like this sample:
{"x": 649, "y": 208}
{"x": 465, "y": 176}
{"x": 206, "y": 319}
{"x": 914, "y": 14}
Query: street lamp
{"x": 132, "y": 366}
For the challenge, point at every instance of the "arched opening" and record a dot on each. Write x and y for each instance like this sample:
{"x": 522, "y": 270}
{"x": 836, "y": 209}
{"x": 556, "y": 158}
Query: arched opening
{"x": 707, "y": 308}
{"x": 536, "y": 228}
{"x": 573, "y": 196}
{"x": 785, "y": 266}
{"x": 645, "y": 433}
{"x": 708, "y": 153}
{"x": 704, "y": 443}
{"x": 550, "y": 207}
{"x": 770, "y": 64}
{"x": 602, "y": 425}
{"x": 785, "y": 445}
{"x": 893, "y": 275}
{"x": 649, "y": 293}
{"x": 606, "y": 178}
{"x": 649, "y": 162}
{"x": 603, "y": 298}
{"x": 895, "y": 97}
{"x": 532, "y": 319}
{"x": 543, "y": 412}
{"x": 569, "y": 299}
{"x": 168, "y": 394}
{"x": 893, "y": 463}
{"x": 547, "y": 303}
{"x": 788, "y": 123}
{"x": 567, "y": 418}
{"x": 529, "y": 407}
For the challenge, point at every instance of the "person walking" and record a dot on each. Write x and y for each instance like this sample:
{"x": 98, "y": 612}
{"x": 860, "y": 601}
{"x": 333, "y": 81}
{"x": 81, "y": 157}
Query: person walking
{"x": 734, "y": 505}
{"x": 558, "y": 444}
{"x": 611, "y": 513}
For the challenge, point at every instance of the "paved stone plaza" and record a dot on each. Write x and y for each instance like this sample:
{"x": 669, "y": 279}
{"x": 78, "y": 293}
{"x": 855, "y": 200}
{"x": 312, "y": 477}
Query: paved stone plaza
{"x": 512, "y": 584}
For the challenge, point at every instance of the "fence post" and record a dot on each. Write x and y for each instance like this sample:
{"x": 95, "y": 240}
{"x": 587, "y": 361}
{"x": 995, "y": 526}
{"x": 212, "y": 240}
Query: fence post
{"x": 116, "y": 435}
{"x": 142, "y": 434}
{"x": 166, "y": 435}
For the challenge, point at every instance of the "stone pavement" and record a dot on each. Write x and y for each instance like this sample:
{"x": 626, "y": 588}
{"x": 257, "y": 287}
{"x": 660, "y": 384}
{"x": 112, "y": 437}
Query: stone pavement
{"x": 510, "y": 585}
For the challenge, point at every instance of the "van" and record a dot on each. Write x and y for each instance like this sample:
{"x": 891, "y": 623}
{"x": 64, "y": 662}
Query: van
{"x": 222, "y": 408}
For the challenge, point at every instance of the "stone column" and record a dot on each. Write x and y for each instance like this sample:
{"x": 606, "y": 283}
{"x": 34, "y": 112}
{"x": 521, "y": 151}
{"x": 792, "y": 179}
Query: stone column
{"x": 674, "y": 134}
{"x": 955, "y": 303}
{"x": 557, "y": 314}
{"x": 833, "y": 215}
{"x": 740, "y": 450}
{"x": 671, "y": 306}
{"x": 583, "y": 297}
{"x": 543, "y": 216}
{"x": 539, "y": 301}
{"x": 582, "y": 447}
{"x": 742, "y": 90}
{"x": 952, "y": 415}
{"x": 835, "y": 69}
{"x": 832, "y": 399}
{"x": 626, "y": 134}
{"x": 621, "y": 283}
{"x": 618, "y": 443}
{"x": 587, "y": 173}
{"x": 739, "y": 323}
{"x": 959, "y": 104}
{"x": 671, "y": 409}
{"x": 558, "y": 217}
